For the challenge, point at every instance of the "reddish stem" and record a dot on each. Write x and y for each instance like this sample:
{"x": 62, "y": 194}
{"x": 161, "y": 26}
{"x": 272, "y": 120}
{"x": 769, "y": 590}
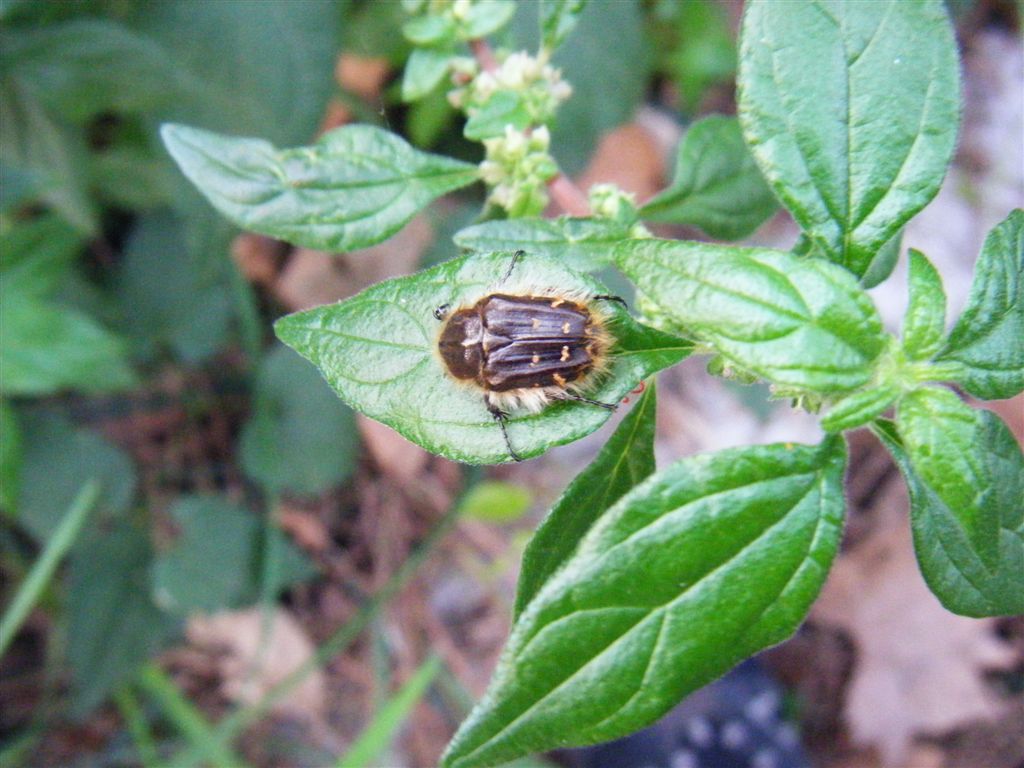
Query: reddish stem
{"x": 570, "y": 197}
{"x": 484, "y": 55}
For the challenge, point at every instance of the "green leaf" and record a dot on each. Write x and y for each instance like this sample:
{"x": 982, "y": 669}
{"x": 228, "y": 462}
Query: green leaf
{"x": 486, "y": 17}
{"x": 924, "y": 324}
{"x": 701, "y": 49}
{"x": 700, "y": 566}
{"x": 58, "y": 459}
{"x": 379, "y": 352}
{"x": 717, "y": 186}
{"x": 356, "y": 186}
{"x": 35, "y": 255}
{"x": 859, "y": 408}
{"x": 883, "y": 263}
{"x": 949, "y": 561}
{"x": 11, "y": 454}
{"x": 798, "y": 322}
{"x": 606, "y": 61}
{"x": 494, "y": 501}
{"x": 424, "y": 70}
{"x": 502, "y": 109}
{"x": 210, "y": 566}
{"x": 374, "y": 739}
{"x": 84, "y": 67}
{"x": 625, "y": 460}
{"x": 17, "y": 186}
{"x": 558, "y": 18}
{"x": 943, "y": 440}
{"x": 248, "y": 67}
{"x": 987, "y": 337}
{"x": 581, "y": 244}
{"x": 48, "y": 347}
{"x": 300, "y": 438}
{"x": 167, "y": 297}
{"x": 113, "y": 626}
{"x": 851, "y": 111}
{"x": 429, "y": 29}
{"x": 54, "y": 155}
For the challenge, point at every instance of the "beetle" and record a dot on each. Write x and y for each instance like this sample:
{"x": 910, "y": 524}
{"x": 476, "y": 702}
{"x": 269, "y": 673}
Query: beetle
{"x": 523, "y": 351}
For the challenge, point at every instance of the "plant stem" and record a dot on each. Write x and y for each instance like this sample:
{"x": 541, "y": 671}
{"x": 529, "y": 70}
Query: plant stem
{"x": 569, "y": 196}
{"x": 483, "y": 54}
{"x": 58, "y": 545}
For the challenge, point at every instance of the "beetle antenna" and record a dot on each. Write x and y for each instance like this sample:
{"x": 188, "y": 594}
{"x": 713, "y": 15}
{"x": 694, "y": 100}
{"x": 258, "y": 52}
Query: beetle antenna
{"x": 609, "y": 297}
{"x": 501, "y": 417}
{"x": 441, "y": 311}
{"x": 516, "y": 258}
{"x": 566, "y": 395}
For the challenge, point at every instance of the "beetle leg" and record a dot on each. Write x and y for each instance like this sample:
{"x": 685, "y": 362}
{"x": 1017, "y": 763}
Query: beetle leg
{"x": 501, "y": 417}
{"x": 609, "y": 297}
{"x": 566, "y": 395}
{"x": 516, "y": 258}
{"x": 441, "y": 311}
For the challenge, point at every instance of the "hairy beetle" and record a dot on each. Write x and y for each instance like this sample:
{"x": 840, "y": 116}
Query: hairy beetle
{"x": 524, "y": 351}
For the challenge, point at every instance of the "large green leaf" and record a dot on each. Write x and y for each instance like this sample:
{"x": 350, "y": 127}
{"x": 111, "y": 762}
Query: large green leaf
{"x": 58, "y": 460}
{"x": 356, "y": 186}
{"x": 703, "y": 564}
{"x": 851, "y": 110}
{"x": 113, "y": 625}
{"x": 379, "y": 352}
{"x": 949, "y": 560}
{"x": 798, "y": 322}
{"x": 988, "y": 338}
{"x": 46, "y": 347}
{"x": 625, "y": 460}
{"x": 300, "y": 437}
{"x": 167, "y": 297}
{"x": 717, "y": 187}
{"x": 945, "y": 442}
{"x": 581, "y": 244}
{"x": 84, "y": 67}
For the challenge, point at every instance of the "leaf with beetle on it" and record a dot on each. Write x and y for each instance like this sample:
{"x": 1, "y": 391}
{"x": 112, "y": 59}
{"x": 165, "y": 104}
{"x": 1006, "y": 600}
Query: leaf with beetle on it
{"x": 950, "y": 562}
{"x": 356, "y": 186}
{"x": 851, "y": 155}
{"x": 801, "y": 323}
{"x": 988, "y": 338}
{"x": 379, "y": 350}
{"x": 704, "y": 563}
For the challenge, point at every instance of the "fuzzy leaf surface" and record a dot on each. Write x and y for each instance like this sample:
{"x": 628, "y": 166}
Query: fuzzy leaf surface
{"x": 625, "y": 460}
{"x": 924, "y": 323}
{"x": 701, "y": 565}
{"x": 988, "y": 338}
{"x": 798, "y": 322}
{"x": 851, "y": 110}
{"x": 356, "y": 186}
{"x": 581, "y": 244}
{"x": 949, "y": 561}
{"x": 379, "y": 352}
{"x": 944, "y": 440}
{"x": 717, "y": 186}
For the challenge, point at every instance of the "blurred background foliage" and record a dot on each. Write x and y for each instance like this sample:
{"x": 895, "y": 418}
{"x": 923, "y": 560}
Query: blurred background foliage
{"x": 136, "y": 351}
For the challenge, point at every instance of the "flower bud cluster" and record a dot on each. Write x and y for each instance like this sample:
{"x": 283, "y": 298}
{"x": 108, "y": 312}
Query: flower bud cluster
{"x": 517, "y": 168}
{"x": 607, "y": 201}
{"x": 539, "y": 86}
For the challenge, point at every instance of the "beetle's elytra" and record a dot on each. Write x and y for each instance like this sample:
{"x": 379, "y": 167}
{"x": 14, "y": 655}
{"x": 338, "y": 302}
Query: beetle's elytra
{"x": 507, "y": 343}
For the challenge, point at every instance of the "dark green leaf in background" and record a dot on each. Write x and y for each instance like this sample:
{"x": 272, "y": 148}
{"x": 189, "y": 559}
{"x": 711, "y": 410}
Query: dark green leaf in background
{"x": 703, "y": 564}
{"x": 717, "y": 187}
{"x": 949, "y": 560}
{"x": 11, "y": 451}
{"x": 300, "y": 438}
{"x": 943, "y": 438}
{"x": 36, "y": 254}
{"x": 495, "y": 501}
{"x": 558, "y": 18}
{"x": 988, "y": 338}
{"x": 580, "y": 244}
{"x": 851, "y": 110}
{"x": 113, "y": 625}
{"x": 798, "y": 322}
{"x": 356, "y": 186}
{"x": 58, "y": 460}
{"x": 167, "y": 297}
{"x": 625, "y": 460}
{"x": 486, "y": 17}
{"x": 924, "y": 323}
{"x": 704, "y": 51}
{"x": 17, "y": 186}
{"x": 424, "y": 71}
{"x": 379, "y": 352}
